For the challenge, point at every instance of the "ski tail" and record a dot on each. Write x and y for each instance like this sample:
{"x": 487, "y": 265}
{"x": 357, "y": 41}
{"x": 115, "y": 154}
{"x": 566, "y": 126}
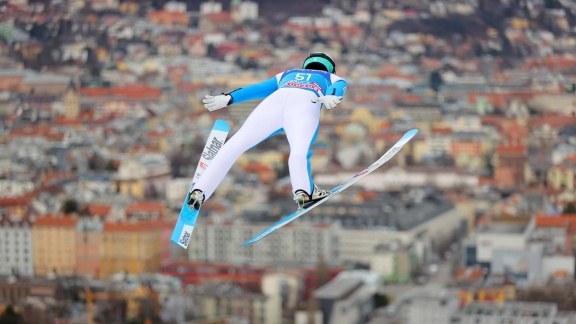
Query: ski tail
{"x": 187, "y": 219}
{"x": 215, "y": 141}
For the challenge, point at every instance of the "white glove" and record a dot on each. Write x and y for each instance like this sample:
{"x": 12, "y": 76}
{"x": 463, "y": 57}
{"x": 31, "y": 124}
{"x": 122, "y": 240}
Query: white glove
{"x": 329, "y": 101}
{"x": 216, "y": 102}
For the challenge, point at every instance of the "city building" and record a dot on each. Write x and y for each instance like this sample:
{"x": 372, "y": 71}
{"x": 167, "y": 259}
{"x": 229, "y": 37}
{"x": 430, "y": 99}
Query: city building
{"x": 143, "y": 176}
{"x": 397, "y": 177}
{"x": 433, "y": 306}
{"x": 131, "y": 248}
{"x": 497, "y": 235}
{"x": 16, "y": 246}
{"x": 226, "y": 301}
{"x": 511, "y": 312}
{"x": 14, "y": 290}
{"x": 88, "y": 247}
{"x": 296, "y": 244}
{"x": 394, "y": 262}
{"x": 348, "y": 298}
{"x": 52, "y": 251}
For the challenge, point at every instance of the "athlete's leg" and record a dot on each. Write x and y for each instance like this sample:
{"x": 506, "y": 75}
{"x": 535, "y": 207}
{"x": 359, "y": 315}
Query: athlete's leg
{"x": 301, "y": 124}
{"x": 262, "y": 122}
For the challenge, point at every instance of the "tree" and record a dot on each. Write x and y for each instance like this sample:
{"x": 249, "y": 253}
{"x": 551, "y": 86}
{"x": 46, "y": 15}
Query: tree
{"x": 436, "y": 81}
{"x": 570, "y": 208}
{"x": 10, "y": 316}
{"x": 70, "y": 206}
{"x": 380, "y": 300}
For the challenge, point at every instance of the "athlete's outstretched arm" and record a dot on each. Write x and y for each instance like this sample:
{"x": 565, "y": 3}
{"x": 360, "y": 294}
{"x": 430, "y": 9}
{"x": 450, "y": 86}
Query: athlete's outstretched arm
{"x": 254, "y": 91}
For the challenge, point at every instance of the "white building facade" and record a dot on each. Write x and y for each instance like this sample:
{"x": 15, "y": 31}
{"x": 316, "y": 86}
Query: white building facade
{"x": 16, "y": 247}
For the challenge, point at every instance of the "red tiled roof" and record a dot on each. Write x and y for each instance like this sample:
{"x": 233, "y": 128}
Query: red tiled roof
{"x": 51, "y": 176}
{"x": 348, "y": 30}
{"x": 98, "y": 209}
{"x": 441, "y": 131}
{"x": 63, "y": 121}
{"x": 497, "y": 121}
{"x": 504, "y": 176}
{"x": 485, "y": 181}
{"x": 18, "y": 201}
{"x": 431, "y": 63}
{"x": 162, "y": 134}
{"x": 228, "y": 48}
{"x": 134, "y": 91}
{"x": 44, "y": 131}
{"x": 256, "y": 167}
{"x": 144, "y": 226}
{"x": 554, "y": 121}
{"x": 411, "y": 98}
{"x": 394, "y": 73}
{"x": 555, "y": 221}
{"x": 191, "y": 39}
{"x": 515, "y": 148}
{"x": 551, "y": 61}
{"x": 389, "y": 69}
{"x": 469, "y": 274}
{"x": 145, "y": 206}
{"x": 367, "y": 195}
{"x": 389, "y": 137}
{"x": 515, "y": 131}
{"x": 168, "y": 17}
{"x": 56, "y": 221}
{"x": 190, "y": 87}
{"x": 219, "y": 18}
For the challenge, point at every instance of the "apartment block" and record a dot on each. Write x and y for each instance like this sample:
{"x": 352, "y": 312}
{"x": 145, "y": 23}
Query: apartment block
{"x": 16, "y": 246}
{"x": 513, "y": 313}
{"x": 54, "y": 248}
{"x": 132, "y": 248}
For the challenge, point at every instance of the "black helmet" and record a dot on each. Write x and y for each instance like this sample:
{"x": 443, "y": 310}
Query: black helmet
{"x": 319, "y": 61}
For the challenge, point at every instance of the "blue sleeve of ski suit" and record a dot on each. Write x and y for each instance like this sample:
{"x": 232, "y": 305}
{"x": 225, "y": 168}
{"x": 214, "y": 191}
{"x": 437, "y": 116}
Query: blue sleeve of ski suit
{"x": 337, "y": 88}
{"x": 255, "y": 91}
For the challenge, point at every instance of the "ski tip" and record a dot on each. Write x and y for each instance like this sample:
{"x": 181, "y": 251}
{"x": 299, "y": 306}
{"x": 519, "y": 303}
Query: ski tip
{"x": 221, "y": 125}
{"x": 252, "y": 240}
{"x": 410, "y": 133}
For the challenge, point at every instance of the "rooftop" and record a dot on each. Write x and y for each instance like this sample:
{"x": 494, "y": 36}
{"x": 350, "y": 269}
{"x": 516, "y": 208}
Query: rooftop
{"x": 338, "y": 288}
{"x": 503, "y": 228}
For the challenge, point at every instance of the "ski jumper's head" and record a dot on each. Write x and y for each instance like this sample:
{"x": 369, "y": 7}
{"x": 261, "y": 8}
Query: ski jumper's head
{"x": 319, "y": 61}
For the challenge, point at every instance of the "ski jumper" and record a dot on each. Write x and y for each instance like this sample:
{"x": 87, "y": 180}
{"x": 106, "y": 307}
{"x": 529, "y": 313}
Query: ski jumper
{"x": 287, "y": 107}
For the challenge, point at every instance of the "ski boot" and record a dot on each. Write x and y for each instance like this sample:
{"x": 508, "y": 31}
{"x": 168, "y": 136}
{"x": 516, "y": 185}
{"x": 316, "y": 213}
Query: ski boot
{"x": 195, "y": 199}
{"x": 304, "y": 200}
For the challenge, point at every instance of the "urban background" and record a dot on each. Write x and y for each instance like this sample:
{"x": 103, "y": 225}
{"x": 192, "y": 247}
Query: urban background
{"x": 101, "y": 128}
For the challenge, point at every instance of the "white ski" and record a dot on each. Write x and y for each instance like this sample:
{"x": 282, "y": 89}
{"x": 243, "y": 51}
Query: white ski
{"x": 387, "y": 156}
{"x": 187, "y": 220}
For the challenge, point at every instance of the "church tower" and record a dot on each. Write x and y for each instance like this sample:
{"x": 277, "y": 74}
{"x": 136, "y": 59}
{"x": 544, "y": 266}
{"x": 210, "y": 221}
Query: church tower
{"x": 235, "y": 11}
{"x": 72, "y": 101}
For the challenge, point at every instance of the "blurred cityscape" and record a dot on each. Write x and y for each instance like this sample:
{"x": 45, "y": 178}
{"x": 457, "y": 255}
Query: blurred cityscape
{"x": 102, "y": 125}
